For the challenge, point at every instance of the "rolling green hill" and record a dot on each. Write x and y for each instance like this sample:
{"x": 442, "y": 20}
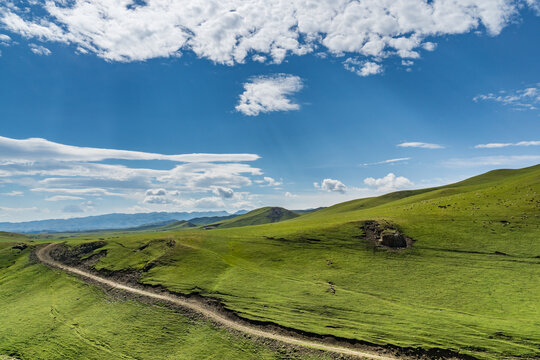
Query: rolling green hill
{"x": 265, "y": 215}
{"x": 11, "y": 235}
{"x": 469, "y": 283}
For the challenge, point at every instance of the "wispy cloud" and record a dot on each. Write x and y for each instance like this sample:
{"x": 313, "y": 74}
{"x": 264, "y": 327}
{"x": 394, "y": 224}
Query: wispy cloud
{"x": 389, "y": 161}
{"x": 12, "y": 193}
{"x": 4, "y": 39}
{"x": 39, "y": 50}
{"x": 263, "y": 94}
{"x": 421, "y": 145}
{"x": 523, "y": 99}
{"x": 63, "y": 198}
{"x": 271, "y": 181}
{"x": 503, "y": 145}
{"x": 67, "y": 173}
{"x": 494, "y": 161}
{"x": 37, "y": 149}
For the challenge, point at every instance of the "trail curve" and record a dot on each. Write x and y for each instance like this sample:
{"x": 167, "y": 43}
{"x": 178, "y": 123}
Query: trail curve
{"x": 43, "y": 255}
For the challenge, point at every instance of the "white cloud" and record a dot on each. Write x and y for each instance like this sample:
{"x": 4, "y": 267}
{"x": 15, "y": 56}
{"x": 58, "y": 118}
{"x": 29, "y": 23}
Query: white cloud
{"x": 63, "y": 198}
{"x": 263, "y": 94}
{"x": 4, "y": 39}
{"x": 80, "y": 191}
{"x": 389, "y": 161}
{"x": 39, "y": 50}
{"x": 523, "y": 99}
{"x": 12, "y": 193}
{"x": 207, "y": 203}
{"x": 502, "y": 145}
{"x": 37, "y": 149}
{"x": 223, "y": 192}
{"x": 429, "y": 46}
{"x": 156, "y": 192}
{"x": 362, "y": 68}
{"x": 272, "y": 182}
{"x": 421, "y": 145}
{"x": 331, "y": 185}
{"x": 259, "y": 58}
{"x": 72, "y": 173}
{"x": 290, "y": 195}
{"x": 390, "y": 182}
{"x": 158, "y": 200}
{"x": 229, "y": 32}
{"x": 494, "y": 161}
{"x": 535, "y": 5}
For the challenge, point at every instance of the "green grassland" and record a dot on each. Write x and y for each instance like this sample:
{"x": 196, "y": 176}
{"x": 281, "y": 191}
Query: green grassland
{"x": 47, "y": 314}
{"x": 265, "y": 215}
{"x": 471, "y": 281}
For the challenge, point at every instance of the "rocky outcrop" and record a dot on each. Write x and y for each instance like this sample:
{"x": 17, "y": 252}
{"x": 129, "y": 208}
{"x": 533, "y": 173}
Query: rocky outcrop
{"x": 386, "y": 236}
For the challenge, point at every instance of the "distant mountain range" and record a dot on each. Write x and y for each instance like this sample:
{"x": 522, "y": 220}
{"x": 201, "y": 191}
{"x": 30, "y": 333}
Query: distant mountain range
{"x": 108, "y": 221}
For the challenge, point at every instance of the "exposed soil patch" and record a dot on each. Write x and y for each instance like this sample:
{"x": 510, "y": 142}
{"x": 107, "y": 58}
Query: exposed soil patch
{"x": 125, "y": 285}
{"x": 386, "y": 236}
{"x": 72, "y": 255}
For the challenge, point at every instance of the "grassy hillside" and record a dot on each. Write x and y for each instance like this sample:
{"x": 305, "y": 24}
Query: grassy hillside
{"x": 78, "y": 321}
{"x": 11, "y": 236}
{"x": 169, "y": 226}
{"x": 469, "y": 283}
{"x": 265, "y": 215}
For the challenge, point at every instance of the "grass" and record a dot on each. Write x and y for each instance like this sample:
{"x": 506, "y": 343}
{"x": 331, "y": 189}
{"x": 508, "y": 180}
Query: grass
{"x": 470, "y": 282}
{"x": 47, "y": 314}
{"x": 260, "y": 216}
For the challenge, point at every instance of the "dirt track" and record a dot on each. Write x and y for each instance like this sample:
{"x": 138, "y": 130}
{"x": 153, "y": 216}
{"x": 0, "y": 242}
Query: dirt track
{"x": 43, "y": 254}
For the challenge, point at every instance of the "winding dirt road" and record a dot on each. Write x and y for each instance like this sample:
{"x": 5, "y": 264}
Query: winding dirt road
{"x": 43, "y": 254}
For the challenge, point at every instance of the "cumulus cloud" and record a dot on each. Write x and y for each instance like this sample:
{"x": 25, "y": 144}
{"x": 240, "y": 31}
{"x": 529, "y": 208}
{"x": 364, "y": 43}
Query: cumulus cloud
{"x": 157, "y": 200}
{"x": 362, "y": 68}
{"x": 421, "y": 145}
{"x": 229, "y": 32}
{"x": 331, "y": 185}
{"x": 39, "y": 50}
{"x": 263, "y": 94}
{"x": 523, "y": 99}
{"x": 37, "y": 149}
{"x": 502, "y": 145}
{"x": 223, "y": 192}
{"x": 156, "y": 192}
{"x": 390, "y": 182}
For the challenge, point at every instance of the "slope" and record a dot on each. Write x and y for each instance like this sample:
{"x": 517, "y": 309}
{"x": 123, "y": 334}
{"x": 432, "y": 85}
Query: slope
{"x": 468, "y": 284}
{"x": 260, "y": 216}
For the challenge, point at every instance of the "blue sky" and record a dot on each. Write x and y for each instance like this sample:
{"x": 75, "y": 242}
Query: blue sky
{"x": 301, "y": 113}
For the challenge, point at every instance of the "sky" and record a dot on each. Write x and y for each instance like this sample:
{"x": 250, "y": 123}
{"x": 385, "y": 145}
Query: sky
{"x": 159, "y": 105}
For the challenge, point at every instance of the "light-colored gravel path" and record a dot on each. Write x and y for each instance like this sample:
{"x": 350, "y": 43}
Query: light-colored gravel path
{"x": 43, "y": 255}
